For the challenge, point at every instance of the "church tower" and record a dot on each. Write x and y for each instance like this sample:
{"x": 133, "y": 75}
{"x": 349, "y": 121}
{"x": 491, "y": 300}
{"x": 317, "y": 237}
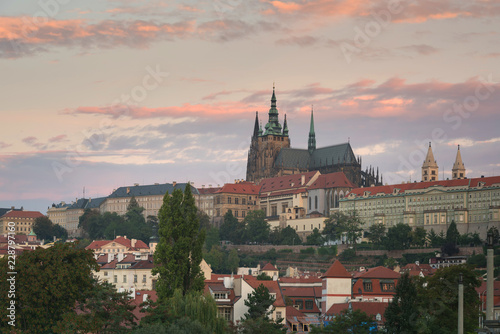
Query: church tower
{"x": 458, "y": 170}
{"x": 430, "y": 168}
{"x": 311, "y": 144}
{"x": 266, "y": 145}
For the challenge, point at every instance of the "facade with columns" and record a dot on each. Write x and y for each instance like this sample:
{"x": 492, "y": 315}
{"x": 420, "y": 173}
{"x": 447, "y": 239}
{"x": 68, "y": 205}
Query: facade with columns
{"x": 270, "y": 154}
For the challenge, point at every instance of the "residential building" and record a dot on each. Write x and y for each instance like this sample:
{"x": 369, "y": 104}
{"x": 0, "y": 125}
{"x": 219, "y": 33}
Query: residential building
{"x": 474, "y": 204}
{"x": 270, "y": 154}
{"x": 374, "y": 309}
{"x": 375, "y": 284}
{"x": 239, "y": 197}
{"x": 336, "y": 286}
{"x": 57, "y": 214}
{"x": 18, "y": 222}
{"x": 271, "y": 271}
{"x": 118, "y": 245}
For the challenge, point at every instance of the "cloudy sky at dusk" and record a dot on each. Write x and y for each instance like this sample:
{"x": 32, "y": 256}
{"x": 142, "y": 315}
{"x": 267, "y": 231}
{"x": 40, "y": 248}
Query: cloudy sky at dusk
{"x": 102, "y": 94}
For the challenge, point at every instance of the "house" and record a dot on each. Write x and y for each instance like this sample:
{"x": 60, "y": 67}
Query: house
{"x": 270, "y": 271}
{"x": 374, "y": 309}
{"x": 336, "y": 286}
{"x": 118, "y": 245}
{"x": 375, "y": 284}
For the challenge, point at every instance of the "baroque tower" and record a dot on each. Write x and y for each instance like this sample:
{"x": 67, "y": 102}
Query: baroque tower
{"x": 430, "y": 168}
{"x": 458, "y": 170}
{"x": 266, "y": 145}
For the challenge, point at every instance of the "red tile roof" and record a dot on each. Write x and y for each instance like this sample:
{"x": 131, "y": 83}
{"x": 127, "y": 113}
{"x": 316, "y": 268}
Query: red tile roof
{"x": 388, "y": 189}
{"x": 23, "y": 214}
{"x": 269, "y": 267}
{"x": 240, "y": 188}
{"x": 378, "y": 272}
{"x": 332, "y": 180}
{"x": 138, "y": 300}
{"x": 206, "y": 191}
{"x": 300, "y": 280}
{"x": 370, "y": 308}
{"x": 337, "y": 270}
{"x": 285, "y": 184}
{"x": 97, "y": 244}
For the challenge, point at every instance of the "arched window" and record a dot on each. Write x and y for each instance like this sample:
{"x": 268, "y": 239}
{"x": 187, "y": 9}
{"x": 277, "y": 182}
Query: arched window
{"x": 310, "y": 206}
{"x": 316, "y": 202}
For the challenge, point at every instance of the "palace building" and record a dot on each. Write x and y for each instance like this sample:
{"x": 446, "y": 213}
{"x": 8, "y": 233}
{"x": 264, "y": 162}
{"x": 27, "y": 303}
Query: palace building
{"x": 270, "y": 154}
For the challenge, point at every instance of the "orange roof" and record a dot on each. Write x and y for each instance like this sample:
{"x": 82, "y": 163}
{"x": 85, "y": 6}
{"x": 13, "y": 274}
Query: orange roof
{"x": 285, "y": 183}
{"x": 332, "y": 180}
{"x": 23, "y": 214}
{"x": 337, "y": 270}
{"x": 249, "y": 188}
{"x": 206, "y": 191}
{"x": 379, "y": 272}
{"x": 269, "y": 267}
{"x": 389, "y": 189}
{"x": 370, "y": 308}
{"x": 97, "y": 244}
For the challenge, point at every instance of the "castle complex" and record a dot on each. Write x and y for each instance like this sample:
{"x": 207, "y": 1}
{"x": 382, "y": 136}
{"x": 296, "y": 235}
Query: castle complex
{"x": 270, "y": 154}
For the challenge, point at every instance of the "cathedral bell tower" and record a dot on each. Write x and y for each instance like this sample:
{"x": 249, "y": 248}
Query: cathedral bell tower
{"x": 430, "y": 168}
{"x": 265, "y": 145}
{"x": 458, "y": 170}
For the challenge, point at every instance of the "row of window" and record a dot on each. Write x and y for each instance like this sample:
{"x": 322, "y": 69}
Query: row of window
{"x": 115, "y": 278}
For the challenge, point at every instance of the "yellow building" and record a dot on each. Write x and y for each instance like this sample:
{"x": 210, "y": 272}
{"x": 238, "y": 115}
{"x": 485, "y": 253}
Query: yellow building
{"x": 18, "y": 222}
{"x": 474, "y": 204}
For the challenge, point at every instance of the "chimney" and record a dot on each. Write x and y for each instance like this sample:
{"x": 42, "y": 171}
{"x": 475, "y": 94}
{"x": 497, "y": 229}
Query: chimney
{"x": 174, "y": 183}
{"x": 128, "y": 190}
{"x": 136, "y": 184}
{"x": 302, "y": 179}
{"x": 111, "y": 257}
{"x": 120, "y": 256}
{"x": 133, "y": 242}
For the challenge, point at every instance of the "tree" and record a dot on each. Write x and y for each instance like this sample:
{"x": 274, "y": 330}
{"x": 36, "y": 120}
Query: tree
{"x": 233, "y": 261}
{"x": 256, "y": 228}
{"x": 398, "y": 237}
{"x": 401, "y": 314}
{"x": 192, "y": 312}
{"x": 264, "y": 277}
{"x": 289, "y": 236}
{"x": 87, "y": 219}
{"x": 46, "y": 230}
{"x": 179, "y": 252}
{"x": 212, "y": 238}
{"x": 376, "y": 233}
{"x": 418, "y": 236}
{"x": 231, "y": 229}
{"x": 259, "y": 303}
{"x": 315, "y": 238}
{"x": 348, "y": 321}
{"x": 104, "y": 311}
{"x": 434, "y": 239}
{"x": 215, "y": 258}
{"x": 451, "y": 241}
{"x": 48, "y": 284}
{"x": 204, "y": 220}
{"x": 439, "y": 300}
{"x": 340, "y": 224}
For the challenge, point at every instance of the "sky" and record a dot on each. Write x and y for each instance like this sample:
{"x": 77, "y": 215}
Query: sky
{"x": 101, "y": 94}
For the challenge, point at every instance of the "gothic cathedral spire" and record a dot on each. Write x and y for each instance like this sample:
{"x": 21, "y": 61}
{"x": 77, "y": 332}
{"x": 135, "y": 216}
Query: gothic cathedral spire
{"x": 273, "y": 127}
{"x": 311, "y": 146}
{"x": 458, "y": 170}
{"x": 256, "y": 126}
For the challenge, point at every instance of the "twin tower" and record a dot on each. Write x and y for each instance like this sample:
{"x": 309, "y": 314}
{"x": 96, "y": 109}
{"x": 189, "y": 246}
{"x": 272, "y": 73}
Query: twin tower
{"x": 430, "y": 169}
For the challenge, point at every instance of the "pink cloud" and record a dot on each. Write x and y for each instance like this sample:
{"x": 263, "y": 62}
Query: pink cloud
{"x": 4, "y": 145}
{"x": 22, "y": 34}
{"x": 57, "y": 139}
{"x": 414, "y": 12}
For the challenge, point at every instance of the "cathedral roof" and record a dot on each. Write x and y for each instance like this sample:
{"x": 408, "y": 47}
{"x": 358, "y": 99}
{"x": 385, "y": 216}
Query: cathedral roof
{"x": 332, "y": 180}
{"x": 325, "y": 156}
{"x": 286, "y": 184}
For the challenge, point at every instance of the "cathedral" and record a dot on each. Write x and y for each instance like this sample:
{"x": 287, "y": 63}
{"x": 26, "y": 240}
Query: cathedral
{"x": 270, "y": 154}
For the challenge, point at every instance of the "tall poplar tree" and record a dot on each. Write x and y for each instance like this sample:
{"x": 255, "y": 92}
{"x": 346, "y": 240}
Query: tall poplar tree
{"x": 179, "y": 252}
